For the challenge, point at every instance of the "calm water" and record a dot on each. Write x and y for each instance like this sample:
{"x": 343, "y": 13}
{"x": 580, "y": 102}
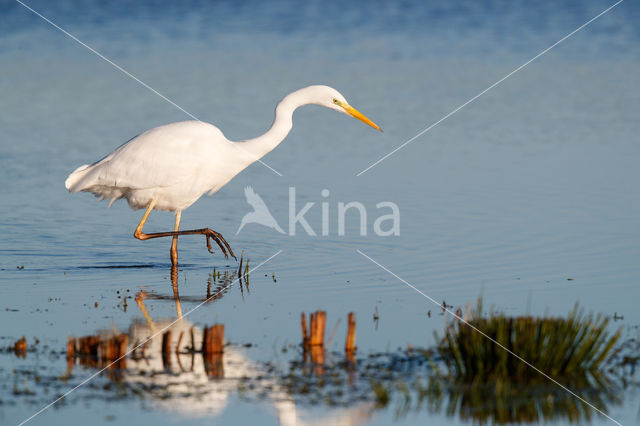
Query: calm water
{"x": 527, "y": 197}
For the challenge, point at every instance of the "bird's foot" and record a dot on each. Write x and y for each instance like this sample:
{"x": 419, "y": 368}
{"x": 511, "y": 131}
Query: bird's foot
{"x": 222, "y": 243}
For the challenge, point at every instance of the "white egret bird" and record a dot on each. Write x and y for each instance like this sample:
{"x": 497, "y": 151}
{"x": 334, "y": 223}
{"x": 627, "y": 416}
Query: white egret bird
{"x": 171, "y": 166}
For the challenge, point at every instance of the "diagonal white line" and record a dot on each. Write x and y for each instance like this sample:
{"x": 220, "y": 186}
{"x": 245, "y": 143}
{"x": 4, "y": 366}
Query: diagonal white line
{"x": 157, "y": 333}
{"x": 492, "y": 340}
{"x": 489, "y": 88}
{"x": 128, "y": 74}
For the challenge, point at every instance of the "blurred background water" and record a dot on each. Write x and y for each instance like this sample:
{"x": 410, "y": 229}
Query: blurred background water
{"x": 527, "y": 197}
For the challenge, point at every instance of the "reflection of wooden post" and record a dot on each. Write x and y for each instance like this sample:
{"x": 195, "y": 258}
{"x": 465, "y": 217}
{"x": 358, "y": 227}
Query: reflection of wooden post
{"x": 93, "y": 351}
{"x": 212, "y": 348}
{"x": 166, "y": 350}
{"x": 108, "y": 350}
{"x": 177, "y": 351}
{"x": 193, "y": 348}
{"x": 114, "y": 349}
{"x": 350, "y": 344}
{"x": 123, "y": 340}
{"x": 317, "y": 358}
{"x": 314, "y": 335}
{"x": 88, "y": 350}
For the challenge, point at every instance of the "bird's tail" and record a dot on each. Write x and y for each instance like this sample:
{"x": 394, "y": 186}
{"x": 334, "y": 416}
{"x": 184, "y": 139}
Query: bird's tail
{"x": 76, "y": 177}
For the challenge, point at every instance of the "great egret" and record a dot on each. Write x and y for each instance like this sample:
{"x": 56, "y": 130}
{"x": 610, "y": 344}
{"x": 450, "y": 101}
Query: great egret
{"x": 171, "y": 166}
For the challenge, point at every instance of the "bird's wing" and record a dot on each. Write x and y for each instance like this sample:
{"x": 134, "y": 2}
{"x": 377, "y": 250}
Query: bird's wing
{"x": 160, "y": 157}
{"x": 254, "y": 199}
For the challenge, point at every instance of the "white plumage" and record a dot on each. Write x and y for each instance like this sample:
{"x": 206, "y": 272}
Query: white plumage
{"x": 175, "y": 164}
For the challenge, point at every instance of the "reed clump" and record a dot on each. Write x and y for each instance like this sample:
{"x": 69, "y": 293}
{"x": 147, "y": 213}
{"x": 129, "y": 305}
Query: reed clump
{"x": 571, "y": 348}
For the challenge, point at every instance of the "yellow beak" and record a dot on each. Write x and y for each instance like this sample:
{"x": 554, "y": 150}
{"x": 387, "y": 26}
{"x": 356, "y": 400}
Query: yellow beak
{"x": 357, "y": 114}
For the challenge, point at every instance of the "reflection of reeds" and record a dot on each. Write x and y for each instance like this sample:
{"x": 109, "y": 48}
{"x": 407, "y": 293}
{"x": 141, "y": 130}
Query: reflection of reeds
{"x": 503, "y": 401}
{"x": 562, "y": 348}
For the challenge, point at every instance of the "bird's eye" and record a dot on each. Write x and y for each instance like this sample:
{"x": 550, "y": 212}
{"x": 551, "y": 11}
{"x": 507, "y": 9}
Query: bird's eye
{"x": 335, "y": 101}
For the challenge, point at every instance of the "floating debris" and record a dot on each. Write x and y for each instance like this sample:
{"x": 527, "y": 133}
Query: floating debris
{"x": 20, "y": 347}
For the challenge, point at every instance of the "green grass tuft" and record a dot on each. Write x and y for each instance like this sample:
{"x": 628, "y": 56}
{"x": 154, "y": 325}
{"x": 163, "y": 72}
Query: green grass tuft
{"x": 569, "y": 347}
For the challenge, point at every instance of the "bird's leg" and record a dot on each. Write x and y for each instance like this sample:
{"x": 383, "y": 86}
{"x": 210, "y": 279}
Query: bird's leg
{"x": 174, "y": 242}
{"x": 207, "y": 232}
{"x": 138, "y": 232}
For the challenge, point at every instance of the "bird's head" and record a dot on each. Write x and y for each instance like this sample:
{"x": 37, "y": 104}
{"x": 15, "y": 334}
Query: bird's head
{"x": 330, "y": 98}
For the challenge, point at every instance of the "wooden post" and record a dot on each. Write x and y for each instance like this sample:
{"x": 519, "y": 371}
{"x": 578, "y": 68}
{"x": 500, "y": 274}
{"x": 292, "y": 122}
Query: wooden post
{"x": 217, "y": 338}
{"x": 318, "y": 322}
{"x": 313, "y": 338}
{"x": 213, "y": 339}
{"x": 314, "y": 335}
{"x": 350, "y": 344}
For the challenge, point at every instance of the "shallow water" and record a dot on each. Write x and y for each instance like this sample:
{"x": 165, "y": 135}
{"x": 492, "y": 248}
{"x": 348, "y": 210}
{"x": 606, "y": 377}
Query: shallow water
{"x": 526, "y": 197}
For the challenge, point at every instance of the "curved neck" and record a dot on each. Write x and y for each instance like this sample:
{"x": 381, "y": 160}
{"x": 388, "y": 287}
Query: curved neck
{"x": 282, "y": 123}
